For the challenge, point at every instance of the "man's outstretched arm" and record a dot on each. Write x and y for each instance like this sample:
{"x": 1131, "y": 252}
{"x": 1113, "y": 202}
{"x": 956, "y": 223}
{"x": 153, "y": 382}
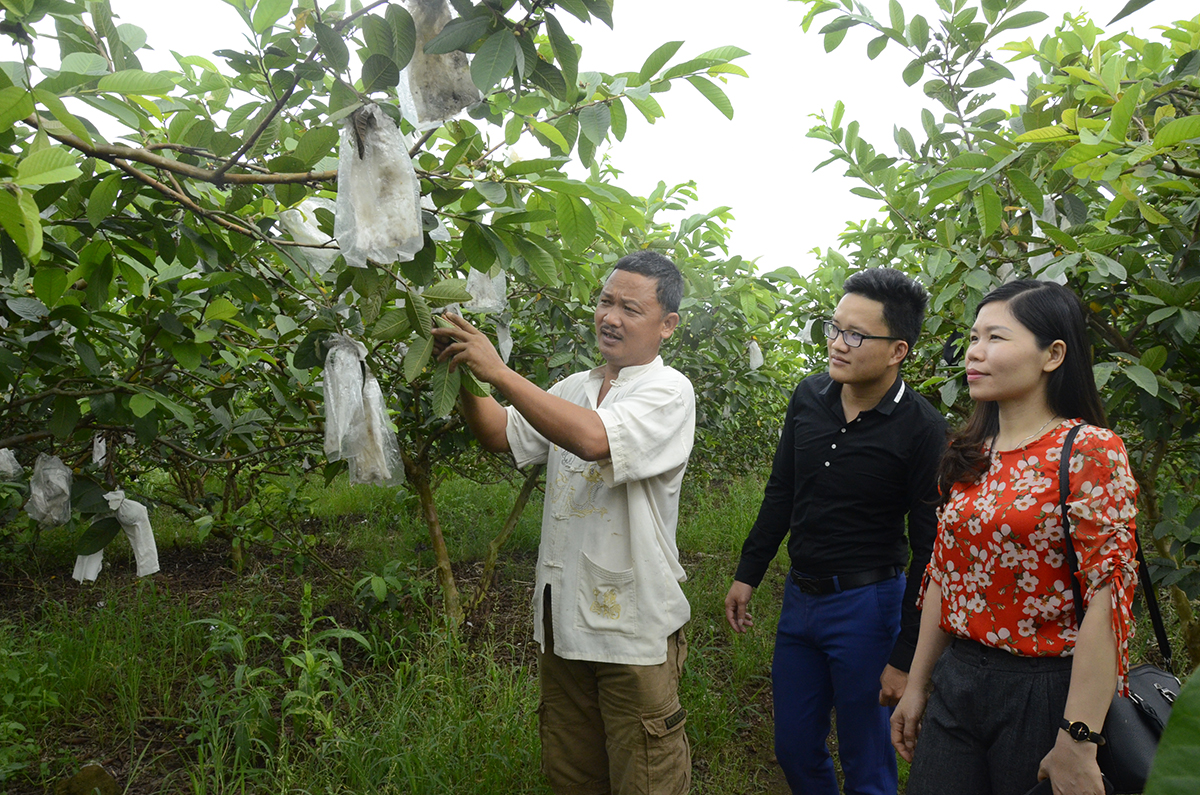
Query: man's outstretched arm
{"x": 574, "y": 428}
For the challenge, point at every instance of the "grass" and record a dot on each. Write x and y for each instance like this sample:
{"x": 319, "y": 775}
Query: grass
{"x": 202, "y": 680}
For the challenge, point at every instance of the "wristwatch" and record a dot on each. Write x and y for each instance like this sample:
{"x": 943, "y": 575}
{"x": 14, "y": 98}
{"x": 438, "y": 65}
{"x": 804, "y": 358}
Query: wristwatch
{"x": 1081, "y": 733}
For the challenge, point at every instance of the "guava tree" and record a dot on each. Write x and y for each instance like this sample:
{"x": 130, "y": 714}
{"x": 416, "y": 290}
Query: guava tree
{"x": 1093, "y": 181}
{"x": 155, "y": 298}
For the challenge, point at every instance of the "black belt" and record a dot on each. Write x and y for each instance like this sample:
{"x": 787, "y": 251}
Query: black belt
{"x": 843, "y": 582}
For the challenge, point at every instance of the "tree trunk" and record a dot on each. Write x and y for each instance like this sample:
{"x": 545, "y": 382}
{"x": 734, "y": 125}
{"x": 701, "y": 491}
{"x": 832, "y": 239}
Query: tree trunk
{"x": 418, "y": 478}
{"x": 497, "y": 543}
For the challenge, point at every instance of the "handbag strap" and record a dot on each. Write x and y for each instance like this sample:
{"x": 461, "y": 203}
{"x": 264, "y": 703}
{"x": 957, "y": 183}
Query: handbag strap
{"x": 1064, "y": 490}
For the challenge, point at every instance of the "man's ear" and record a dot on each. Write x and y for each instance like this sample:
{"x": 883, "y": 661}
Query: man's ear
{"x": 669, "y": 324}
{"x": 898, "y": 352}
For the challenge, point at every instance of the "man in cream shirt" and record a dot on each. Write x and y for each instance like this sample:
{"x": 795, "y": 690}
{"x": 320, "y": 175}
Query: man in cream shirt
{"x": 608, "y": 608}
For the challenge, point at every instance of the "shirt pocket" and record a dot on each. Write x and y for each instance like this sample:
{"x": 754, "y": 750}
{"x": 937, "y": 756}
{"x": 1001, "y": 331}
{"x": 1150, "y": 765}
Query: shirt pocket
{"x": 605, "y": 601}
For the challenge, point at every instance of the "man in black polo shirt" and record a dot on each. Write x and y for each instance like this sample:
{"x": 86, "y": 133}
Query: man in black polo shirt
{"x": 858, "y": 454}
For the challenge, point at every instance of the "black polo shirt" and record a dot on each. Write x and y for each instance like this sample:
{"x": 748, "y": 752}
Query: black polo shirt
{"x": 843, "y": 491}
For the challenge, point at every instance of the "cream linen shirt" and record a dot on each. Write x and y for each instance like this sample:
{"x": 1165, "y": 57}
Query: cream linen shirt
{"x": 608, "y": 528}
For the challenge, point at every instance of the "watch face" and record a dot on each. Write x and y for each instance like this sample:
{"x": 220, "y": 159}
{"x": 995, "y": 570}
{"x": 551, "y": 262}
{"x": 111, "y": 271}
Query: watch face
{"x": 1079, "y": 731}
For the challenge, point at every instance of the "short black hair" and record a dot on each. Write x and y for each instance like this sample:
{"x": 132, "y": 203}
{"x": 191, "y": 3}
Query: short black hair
{"x": 903, "y": 298}
{"x": 662, "y": 270}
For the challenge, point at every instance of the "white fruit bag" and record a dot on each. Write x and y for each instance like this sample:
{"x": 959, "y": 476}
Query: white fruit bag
{"x": 434, "y": 88}
{"x": 10, "y": 468}
{"x": 488, "y": 293}
{"x": 301, "y": 223}
{"x": 135, "y": 521}
{"x": 356, "y": 425}
{"x": 49, "y": 492}
{"x": 378, "y": 210}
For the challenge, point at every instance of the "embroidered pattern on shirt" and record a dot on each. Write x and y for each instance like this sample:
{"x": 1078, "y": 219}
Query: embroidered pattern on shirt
{"x": 605, "y": 604}
{"x": 577, "y": 486}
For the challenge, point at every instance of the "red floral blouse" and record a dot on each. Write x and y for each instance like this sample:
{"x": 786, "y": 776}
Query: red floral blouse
{"x": 999, "y": 556}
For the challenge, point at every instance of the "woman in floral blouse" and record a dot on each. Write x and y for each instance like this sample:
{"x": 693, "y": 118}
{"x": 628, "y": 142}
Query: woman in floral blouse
{"x": 1020, "y": 687}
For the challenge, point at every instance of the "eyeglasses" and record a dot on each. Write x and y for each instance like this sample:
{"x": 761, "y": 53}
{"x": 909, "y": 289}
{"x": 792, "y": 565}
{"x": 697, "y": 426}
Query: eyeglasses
{"x": 851, "y": 338}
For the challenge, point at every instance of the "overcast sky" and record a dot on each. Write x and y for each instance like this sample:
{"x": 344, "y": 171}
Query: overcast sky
{"x": 760, "y": 163}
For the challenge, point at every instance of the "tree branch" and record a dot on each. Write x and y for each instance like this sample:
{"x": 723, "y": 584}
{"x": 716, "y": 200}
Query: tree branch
{"x": 112, "y": 153}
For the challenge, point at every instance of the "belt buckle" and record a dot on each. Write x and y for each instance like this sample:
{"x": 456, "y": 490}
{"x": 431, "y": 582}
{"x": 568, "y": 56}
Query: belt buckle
{"x": 808, "y": 586}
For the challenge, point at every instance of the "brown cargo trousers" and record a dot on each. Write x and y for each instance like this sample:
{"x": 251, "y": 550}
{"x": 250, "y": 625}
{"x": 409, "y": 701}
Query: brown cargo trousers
{"x": 613, "y": 728}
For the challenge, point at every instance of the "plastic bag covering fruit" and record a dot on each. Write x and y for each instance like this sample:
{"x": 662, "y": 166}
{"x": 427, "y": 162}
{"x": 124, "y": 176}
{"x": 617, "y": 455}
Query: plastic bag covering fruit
{"x": 87, "y": 567}
{"x": 356, "y": 424}
{"x": 10, "y": 468}
{"x": 49, "y": 492}
{"x": 434, "y": 88}
{"x": 488, "y": 293}
{"x": 301, "y": 223}
{"x": 756, "y": 357}
{"x": 378, "y": 210}
{"x": 135, "y": 521}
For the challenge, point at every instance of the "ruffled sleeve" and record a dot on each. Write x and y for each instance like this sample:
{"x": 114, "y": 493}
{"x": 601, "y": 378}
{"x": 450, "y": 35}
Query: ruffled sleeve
{"x": 1103, "y": 509}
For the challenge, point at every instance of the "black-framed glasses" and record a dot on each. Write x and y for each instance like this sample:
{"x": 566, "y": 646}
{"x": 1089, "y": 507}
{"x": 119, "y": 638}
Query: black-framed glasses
{"x": 851, "y": 338}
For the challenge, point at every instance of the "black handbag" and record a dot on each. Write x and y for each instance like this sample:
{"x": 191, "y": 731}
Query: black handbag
{"x": 1134, "y": 723}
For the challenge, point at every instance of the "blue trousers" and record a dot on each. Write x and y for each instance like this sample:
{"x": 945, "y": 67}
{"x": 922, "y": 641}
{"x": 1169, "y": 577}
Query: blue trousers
{"x": 829, "y": 652}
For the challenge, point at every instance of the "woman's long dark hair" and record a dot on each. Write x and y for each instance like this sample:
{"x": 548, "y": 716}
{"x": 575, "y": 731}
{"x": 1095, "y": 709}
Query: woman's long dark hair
{"x": 1051, "y": 312}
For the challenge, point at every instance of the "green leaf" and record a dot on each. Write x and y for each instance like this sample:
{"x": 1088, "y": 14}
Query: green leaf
{"x": 478, "y": 248}
{"x": 49, "y": 284}
{"x": 445, "y": 388}
{"x": 62, "y": 115}
{"x": 564, "y": 50}
{"x": 379, "y": 73}
{"x": 594, "y": 121}
{"x": 576, "y": 223}
{"x": 404, "y": 33}
{"x": 876, "y": 45}
{"x": 1047, "y": 134}
{"x": 713, "y": 93}
{"x": 658, "y": 59}
{"x": 103, "y": 197}
{"x": 137, "y": 83}
{"x": 1028, "y": 189}
{"x": 447, "y": 291}
{"x": 393, "y": 324}
{"x": 267, "y": 13}
{"x": 416, "y": 357}
{"x": 459, "y": 34}
{"x": 1177, "y": 131}
{"x": 15, "y": 104}
{"x": 47, "y": 166}
{"x": 220, "y": 309}
{"x": 333, "y": 47}
{"x": 64, "y": 416}
{"x": 619, "y": 121}
{"x": 420, "y": 317}
{"x": 1154, "y": 359}
{"x": 378, "y": 588}
{"x": 988, "y": 210}
{"x": 494, "y": 60}
{"x": 315, "y": 145}
{"x": 1022, "y": 20}
{"x": 474, "y": 385}
{"x": 1174, "y": 771}
{"x": 142, "y": 404}
{"x": 551, "y": 133}
{"x": 97, "y": 536}
{"x": 918, "y": 32}
{"x": 912, "y": 73}
{"x": 540, "y": 262}
{"x": 1144, "y": 378}
{"x": 379, "y": 36}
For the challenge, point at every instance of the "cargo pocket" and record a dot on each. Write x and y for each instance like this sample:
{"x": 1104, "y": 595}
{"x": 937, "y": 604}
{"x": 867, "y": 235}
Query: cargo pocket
{"x": 668, "y": 753}
{"x": 606, "y": 601}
